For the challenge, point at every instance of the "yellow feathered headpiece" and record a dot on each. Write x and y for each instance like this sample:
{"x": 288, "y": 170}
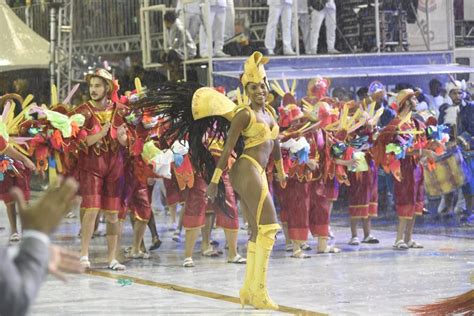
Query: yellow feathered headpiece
{"x": 209, "y": 102}
{"x": 254, "y": 70}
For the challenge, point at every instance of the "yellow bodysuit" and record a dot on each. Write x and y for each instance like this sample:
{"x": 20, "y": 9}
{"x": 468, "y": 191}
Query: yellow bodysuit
{"x": 255, "y": 134}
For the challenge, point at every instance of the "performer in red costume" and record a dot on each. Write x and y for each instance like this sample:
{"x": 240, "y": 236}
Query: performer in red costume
{"x": 136, "y": 192}
{"x": 101, "y": 164}
{"x": 19, "y": 173}
{"x": 363, "y": 189}
{"x": 294, "y": 198}
{"x": 324, "y": 185}
{"x": 316, "y": 90}
{"x": 195, "y": 216}
{"x": 408, "y": 135}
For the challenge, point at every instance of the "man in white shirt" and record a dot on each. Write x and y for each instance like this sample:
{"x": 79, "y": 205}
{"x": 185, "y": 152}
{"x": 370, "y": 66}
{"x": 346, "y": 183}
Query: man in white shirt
{"x": 277, "y": 9}
{"x": 229, "y": 31}
{"x": 193, "y": 18}
{"x": 435, "y": 99}
{"x": 323, "y": 10}
{"x": 216, "y": 19}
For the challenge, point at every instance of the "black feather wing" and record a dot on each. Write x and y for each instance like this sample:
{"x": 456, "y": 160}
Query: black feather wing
{"x": 172, "y": 102}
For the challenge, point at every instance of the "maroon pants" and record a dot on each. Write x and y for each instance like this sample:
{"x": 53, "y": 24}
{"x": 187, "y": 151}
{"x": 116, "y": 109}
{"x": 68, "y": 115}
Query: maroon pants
{"x": 409, "y": 192}
{"x": 363, "y": 192}
{"x": 137, "y": 198}
{"x": 332, "y": 189}
{"x": 295, "y": 201}
{"x": 197, "y": 205}
{"x": 319, "y": 209}
{"x": 22, "y": 182}
{"x": 101, "y": 179}
{"x": 173, "y": 193}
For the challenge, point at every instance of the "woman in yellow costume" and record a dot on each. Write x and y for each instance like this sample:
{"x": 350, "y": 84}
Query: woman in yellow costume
{"x": 250, "y": 130}
{"x": 256, "y": 123}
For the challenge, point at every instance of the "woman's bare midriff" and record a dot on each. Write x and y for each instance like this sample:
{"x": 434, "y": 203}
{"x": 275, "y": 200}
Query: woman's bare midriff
{"x": 260, "y": 153}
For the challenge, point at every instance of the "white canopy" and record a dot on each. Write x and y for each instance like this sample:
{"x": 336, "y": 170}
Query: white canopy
{"x": 21, "y": 47}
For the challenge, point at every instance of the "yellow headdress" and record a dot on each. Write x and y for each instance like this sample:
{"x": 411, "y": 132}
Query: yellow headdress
{"x": 254, "y": 70}
{"x": 209, "y": 102}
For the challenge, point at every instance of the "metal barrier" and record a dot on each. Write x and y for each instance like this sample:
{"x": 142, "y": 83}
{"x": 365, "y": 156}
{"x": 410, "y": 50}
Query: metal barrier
{"x": 36, "y": 17}
{"x": 96, "y": 20}
{"x": 93, "y": 19}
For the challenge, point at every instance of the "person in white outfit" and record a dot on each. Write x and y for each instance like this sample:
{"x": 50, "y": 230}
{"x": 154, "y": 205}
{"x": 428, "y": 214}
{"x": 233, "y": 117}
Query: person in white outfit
{"x": 192, "y": 12}
{"x": 217, "y": 22}
{"x": 323, "y": 10}
{"x": 304, "y": 24}
{"x": 277, "y": 9}
{"x": 229, "y": 20}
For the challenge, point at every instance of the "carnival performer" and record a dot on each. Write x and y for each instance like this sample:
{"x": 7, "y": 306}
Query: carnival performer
{"x": 327, "y": 165}
{"x": 363, "y": 188}
{"x": 399, "y": 148}
{"x": 294, "y": 198}
{"x": 136, "y": 192}
{"x": 198, "y": 216}
{"x": 458, "y": 116}
{"x": 256, "y": 123}
{"x": 378, "y": 98}
{"x": 317, "y": 90}
{"x": 101, "y": 164}
{"x": 252, "y": 133}
{"x": 16, "y": 166}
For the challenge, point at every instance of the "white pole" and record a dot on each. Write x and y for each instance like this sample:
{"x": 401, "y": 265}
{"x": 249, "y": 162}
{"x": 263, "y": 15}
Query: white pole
{"x": 377, "y": 25}
{"x": 165, "y": 40}
{"x": 52, "y": 43}
{"x": 147, "y": 32}
{"x": 207, "y": 10}
{"x": 185, "y": 75}
{"x": 295, "y": 25}
{"x": 451, "y": 26}
{"x": 427, "y": 25}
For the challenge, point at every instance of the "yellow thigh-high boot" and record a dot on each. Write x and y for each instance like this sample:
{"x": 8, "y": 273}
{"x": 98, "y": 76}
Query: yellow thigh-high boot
{"x": 263, "y": 249}
{"x": 245, "y": 291}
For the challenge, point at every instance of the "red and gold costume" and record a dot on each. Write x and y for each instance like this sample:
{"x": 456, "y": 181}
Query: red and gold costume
{"x": 363, "y": 189}
{"x": 197, "y": 205}
{"x": 409, "y": 189}
{"x": 137, "y": 194}
{"x": 408, "y": 134}
{"x": 14, "y": 173}
{"x": 323, "y": 190}
{"x": 101, "y": 166}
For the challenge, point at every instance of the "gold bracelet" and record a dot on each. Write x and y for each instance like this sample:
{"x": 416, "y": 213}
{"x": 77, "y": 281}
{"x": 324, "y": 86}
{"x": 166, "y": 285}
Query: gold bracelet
{"x": 216, "y": 176}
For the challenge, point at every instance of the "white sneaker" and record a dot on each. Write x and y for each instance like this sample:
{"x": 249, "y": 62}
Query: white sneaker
{"x": 270, "y": 52}
{"x": 221, "y": 54}
{"x": 333, "y": 51}
{"x": 289, "y": 53}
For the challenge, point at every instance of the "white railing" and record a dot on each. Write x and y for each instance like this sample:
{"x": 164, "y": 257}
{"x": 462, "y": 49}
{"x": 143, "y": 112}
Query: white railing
{"x": 107, "y": 19}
